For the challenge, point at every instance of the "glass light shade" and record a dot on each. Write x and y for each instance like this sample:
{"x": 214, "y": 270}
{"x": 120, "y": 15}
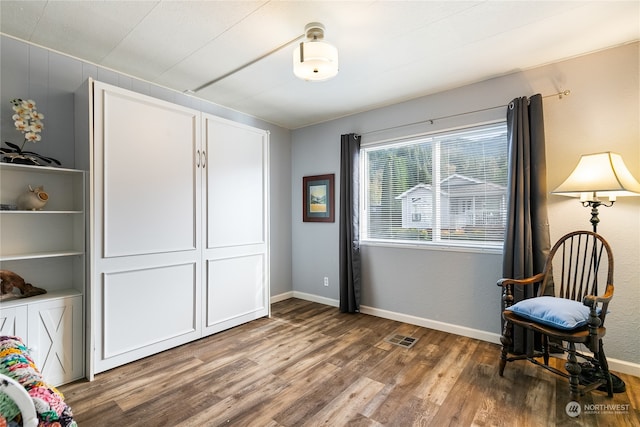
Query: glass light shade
{"x": 315, "y": 61}
{"x": 599, "y": 175}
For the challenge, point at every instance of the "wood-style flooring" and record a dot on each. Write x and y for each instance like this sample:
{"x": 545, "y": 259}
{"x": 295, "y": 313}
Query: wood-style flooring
{"x": 309, "y": 365}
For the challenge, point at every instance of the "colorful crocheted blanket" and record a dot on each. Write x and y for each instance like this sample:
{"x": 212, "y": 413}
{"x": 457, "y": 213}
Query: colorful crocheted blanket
{"x": 16, "y": 363}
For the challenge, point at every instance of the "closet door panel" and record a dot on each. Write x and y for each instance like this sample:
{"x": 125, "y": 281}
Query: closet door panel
{"x": 236, "y": 288}
{"x": 149, "y": 175}
{"x": 146, "y": 309}
{"x": 236, "y": 197}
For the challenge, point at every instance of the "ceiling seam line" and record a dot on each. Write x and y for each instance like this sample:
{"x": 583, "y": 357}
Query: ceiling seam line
{"x": 242, "y": 67}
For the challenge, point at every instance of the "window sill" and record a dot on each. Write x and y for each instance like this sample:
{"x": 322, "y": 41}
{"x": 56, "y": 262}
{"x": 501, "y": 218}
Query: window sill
{"x": 433, "y": 247}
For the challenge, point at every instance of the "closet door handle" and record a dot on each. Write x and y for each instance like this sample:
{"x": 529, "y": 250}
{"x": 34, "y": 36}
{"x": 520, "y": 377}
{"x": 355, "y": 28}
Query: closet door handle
{"x": 198, "y": 158}
{"x": 204, "y": 159}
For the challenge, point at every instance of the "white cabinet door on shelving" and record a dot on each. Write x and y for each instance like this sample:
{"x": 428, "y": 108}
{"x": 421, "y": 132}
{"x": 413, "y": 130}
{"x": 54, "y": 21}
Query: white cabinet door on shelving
{"x": 146, "y": 234}
{"x": 236, "y": 212}
{"x": 55, "y": 339}
{"x": 13, "y": 321}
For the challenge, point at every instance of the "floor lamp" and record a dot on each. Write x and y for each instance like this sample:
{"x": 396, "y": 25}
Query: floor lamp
{"x": 599, "y": 175}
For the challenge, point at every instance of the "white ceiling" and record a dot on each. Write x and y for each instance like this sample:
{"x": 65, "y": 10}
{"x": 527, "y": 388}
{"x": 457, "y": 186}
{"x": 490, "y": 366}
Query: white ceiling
{"x": 390, "y": 51}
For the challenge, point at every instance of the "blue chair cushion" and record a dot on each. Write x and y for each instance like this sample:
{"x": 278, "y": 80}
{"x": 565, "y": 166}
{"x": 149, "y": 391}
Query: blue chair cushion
{"x": 558, "y": 313}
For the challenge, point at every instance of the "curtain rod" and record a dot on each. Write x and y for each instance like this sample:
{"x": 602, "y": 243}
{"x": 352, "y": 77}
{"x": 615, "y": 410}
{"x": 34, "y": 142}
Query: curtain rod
{"x": 560, "y": 95}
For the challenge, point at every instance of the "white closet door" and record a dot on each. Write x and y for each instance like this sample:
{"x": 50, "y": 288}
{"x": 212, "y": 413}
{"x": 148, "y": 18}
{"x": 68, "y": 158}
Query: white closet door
{"x": 236, "y": 212}
{"x": 146, "y": 208}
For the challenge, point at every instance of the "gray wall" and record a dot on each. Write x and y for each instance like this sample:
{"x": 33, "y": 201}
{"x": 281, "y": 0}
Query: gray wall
{"x": 458, "y": 288}
{"x": 50, "y": 79}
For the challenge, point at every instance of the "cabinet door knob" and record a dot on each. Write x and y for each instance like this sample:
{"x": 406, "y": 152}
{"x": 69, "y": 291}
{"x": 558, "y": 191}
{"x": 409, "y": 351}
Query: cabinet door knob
{"x": 198, "y": 158}
{"x": 204, "y": 157}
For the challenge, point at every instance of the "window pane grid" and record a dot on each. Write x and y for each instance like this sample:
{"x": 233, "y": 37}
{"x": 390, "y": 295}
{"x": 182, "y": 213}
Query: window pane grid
{"x": 443, "y": 188}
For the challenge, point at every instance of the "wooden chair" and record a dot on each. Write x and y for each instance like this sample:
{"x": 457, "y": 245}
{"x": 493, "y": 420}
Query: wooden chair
{"x": 580, "y": 265}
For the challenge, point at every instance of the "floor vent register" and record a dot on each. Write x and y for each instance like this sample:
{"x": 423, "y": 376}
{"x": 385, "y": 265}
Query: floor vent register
{"x": 402, "y": 340}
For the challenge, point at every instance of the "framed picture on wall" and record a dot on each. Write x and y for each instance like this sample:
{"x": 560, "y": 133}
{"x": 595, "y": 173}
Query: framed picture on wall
{"x": 318, "y": 198}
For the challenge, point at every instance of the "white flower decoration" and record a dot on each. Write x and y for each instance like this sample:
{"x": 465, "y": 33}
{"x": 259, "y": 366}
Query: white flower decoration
{"x": 27, "y": 120}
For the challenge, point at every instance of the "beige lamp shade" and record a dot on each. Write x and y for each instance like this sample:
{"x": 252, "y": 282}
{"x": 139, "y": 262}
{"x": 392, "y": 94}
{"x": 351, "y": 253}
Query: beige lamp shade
{"x": 599, "y": 175}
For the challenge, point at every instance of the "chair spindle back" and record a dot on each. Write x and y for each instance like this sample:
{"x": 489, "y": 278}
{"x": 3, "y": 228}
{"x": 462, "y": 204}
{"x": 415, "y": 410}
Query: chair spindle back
{"x": 579, "y": 264}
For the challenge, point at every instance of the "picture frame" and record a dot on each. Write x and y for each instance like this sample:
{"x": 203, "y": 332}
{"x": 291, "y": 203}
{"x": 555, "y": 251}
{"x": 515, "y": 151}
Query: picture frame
{"x": 318, "y": 198}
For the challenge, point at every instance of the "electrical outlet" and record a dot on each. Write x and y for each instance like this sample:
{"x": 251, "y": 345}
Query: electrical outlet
{"x": 326, "y": 281}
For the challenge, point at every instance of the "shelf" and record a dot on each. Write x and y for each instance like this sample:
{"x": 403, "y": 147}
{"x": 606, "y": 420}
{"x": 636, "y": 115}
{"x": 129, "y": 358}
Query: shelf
{"x": 14, "y": 212}
{"x": 39, "y": 255}
{"x": 40, "y": 233}
{"x": 49, "y": 296}
{"x": 38, "y": 169}
{"x": 64, "y": 186}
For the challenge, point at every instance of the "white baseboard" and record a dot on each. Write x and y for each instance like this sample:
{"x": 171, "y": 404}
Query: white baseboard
{"x": 433, "y": 324}
{"x": 281, "y": 297}
{"x": 413, "y": 320}
{"x": 616, "y": 365}
{"x": 623, "y": 366}
{"x": 304, "y": 296}
{"x": 315, "y": 298}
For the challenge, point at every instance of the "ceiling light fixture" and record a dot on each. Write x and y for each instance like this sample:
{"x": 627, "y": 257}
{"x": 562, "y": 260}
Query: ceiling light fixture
{"x": 315, "y": 60}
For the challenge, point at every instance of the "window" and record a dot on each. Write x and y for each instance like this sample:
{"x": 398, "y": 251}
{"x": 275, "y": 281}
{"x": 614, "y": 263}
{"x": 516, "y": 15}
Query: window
{"x": 446, "y": 188}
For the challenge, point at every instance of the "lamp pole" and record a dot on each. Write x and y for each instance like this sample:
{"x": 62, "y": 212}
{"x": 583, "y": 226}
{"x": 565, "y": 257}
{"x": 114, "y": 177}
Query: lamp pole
{"x": 594, "y": 205}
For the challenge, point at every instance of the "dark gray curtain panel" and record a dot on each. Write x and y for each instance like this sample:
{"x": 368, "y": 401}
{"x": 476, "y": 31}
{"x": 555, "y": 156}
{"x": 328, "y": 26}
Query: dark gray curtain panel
{"x": 349, "y": 223}
{"x": 527, "y": 241}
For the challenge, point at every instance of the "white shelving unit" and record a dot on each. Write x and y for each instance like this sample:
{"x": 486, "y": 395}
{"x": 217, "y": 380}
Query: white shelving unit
{"x": 47, "y": 249}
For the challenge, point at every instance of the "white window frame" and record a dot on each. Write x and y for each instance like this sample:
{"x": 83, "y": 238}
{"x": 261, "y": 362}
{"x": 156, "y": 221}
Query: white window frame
{"x": 437, "y": 243}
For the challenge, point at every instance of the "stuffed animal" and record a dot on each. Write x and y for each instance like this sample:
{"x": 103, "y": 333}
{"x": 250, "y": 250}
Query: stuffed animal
{"x": 10, "y": 280}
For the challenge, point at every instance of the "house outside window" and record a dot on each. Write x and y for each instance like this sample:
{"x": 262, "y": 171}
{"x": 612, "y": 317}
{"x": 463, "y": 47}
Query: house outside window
{"x": 447, "y": 188}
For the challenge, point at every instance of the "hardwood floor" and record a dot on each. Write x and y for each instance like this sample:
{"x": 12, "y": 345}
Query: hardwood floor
{"x": 309, "y": 365}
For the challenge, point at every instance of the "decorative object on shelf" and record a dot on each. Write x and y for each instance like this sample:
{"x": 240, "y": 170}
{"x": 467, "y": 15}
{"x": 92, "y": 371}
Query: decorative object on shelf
{"x": 28, "y": 122}
{"x": 8, "y": 207}
{"x": 10, "y": 281}
{"x": 34, "y": 199}
{"x": 317, "y": 198}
